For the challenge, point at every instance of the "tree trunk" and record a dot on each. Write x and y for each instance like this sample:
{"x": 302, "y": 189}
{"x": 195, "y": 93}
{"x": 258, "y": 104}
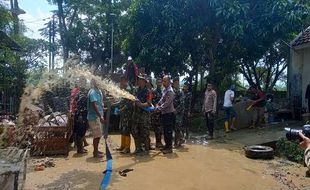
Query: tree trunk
{"x": 196, "y": 79}
{"x": 201, "y": 79}
{"x": 63, "y": 30}
{"x": 190, "y": 81}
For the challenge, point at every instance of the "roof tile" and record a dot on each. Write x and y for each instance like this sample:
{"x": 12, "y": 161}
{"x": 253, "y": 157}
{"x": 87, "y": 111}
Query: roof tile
{"x": 303, "y": 38}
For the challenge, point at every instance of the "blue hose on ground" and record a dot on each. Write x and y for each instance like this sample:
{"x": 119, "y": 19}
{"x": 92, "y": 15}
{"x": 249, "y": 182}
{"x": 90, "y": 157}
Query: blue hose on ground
{"x": 108, "y": 172}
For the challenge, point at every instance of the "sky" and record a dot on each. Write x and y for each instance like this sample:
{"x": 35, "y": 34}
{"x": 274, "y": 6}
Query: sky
{"x": 38, "y": 12}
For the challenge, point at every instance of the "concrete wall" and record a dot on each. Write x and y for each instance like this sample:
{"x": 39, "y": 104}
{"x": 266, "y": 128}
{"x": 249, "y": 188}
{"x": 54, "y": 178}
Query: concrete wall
{"x": 244, "y": 117}
{"x": 296, "y": 75}
{"x": 305, "y": 74}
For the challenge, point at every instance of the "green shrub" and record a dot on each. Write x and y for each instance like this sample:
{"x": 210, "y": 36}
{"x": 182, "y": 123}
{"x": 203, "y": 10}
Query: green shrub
{"x": 198, "y": 124}
{"x": 290, "y": 150}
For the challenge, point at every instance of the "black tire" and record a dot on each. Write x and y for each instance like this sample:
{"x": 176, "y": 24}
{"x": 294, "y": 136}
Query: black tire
{"x": 259, "y": 152}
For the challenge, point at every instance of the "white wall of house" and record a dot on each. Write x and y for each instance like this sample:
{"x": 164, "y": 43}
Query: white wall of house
{"x": 299, "y": 73}
{"x": 305, "y": 74}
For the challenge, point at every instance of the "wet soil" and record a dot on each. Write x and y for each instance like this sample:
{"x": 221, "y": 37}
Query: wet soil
{"x": 216, "y": 164}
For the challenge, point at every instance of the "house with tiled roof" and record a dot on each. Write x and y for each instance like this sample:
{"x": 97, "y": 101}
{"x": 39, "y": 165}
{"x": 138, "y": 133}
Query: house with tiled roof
{"x": 299, "y": 70}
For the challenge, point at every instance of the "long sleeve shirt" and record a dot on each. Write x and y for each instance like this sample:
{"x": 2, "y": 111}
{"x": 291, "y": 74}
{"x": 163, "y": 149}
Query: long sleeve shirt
{"x": 165, "y": 104}
{"x": 209, "y": 104}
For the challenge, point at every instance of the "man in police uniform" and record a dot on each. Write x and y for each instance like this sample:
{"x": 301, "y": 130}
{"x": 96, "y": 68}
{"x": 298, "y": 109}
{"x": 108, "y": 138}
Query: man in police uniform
{"x": 140, "y": 128}
{"x": 155, "y": 117}
{"x": 179, "y": 111}
{"x": 166, "y": 108}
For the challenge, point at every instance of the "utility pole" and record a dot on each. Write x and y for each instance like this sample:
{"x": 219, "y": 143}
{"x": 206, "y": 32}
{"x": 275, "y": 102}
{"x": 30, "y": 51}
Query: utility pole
{"x": 112, "y": 36}
{"x": 53, "y": 42}
{"x": 49, "y": 45}
{"x": 15, "y": 11}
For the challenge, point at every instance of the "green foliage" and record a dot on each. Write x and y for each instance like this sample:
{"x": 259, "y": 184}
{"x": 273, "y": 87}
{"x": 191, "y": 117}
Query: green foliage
{"x": 34, "y": 76}
{"x": 86, "y": 29}
{"x": 290, "y": 150}
{"x": 198, "y": 124}
{"x": 5, "y": 18}
{"x": 14, "y": 63}
{"x": 35, "y": 52}
{"x": 221, "y": 36}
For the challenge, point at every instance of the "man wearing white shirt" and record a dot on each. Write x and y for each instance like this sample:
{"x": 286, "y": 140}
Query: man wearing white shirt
{"x": 229, "y": 109}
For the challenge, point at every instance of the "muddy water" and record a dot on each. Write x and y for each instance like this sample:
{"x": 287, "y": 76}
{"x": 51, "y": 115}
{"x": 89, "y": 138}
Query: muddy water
{"x": 32, "y": 94}
{"x": 195, "y": 167}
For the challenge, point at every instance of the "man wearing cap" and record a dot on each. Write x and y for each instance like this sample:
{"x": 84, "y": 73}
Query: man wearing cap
{"x": 140, "y": 128}
{"x": 229, "y": 109}
{"x": 155, "y": 117}
{"x": 131, "y": 72}
{"x": 179, "y": 111}
{"x": 165, "y": 106}
{"x": 187, "y": 107}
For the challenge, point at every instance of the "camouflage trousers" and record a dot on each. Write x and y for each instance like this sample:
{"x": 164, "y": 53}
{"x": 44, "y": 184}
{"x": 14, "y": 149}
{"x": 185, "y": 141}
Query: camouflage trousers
{"x": 178, "y": 130}
{"x": 140, "y": 131}
{"x": 125, "y": 125}
{"x": 156, "y": 126}
{"x": 186, "y": 124}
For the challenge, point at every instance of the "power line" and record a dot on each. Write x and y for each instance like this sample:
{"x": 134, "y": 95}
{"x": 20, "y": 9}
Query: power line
{"x": 38, "y": 20}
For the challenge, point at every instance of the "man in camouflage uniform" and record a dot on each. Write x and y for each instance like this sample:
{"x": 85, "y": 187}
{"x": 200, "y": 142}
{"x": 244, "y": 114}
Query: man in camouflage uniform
{"x": 140, "y": 128}
{"x": 155, "y": 117}
{"x": 125, "y": 119}
{"x": 179, "y": 111}
{"x": 187, "y": 108}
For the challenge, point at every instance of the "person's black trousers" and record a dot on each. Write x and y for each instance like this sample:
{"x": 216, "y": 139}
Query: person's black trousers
{"x": 210, "y": 122}
{"x": 80, "y": 127}
{"x": 167, "y": 121}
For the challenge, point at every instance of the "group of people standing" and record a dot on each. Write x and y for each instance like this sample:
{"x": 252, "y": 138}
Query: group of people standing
{"x": 170, "y": 107}
{"x": 209, "y": 108}
{"x": 86, "y": 108}
{"x": 164, "y": 109}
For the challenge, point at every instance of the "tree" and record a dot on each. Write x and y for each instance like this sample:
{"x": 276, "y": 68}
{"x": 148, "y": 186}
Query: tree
{"x": 85, "y": 28}
{"x": 259, "y": 31}
{"x": 17, "y": 54}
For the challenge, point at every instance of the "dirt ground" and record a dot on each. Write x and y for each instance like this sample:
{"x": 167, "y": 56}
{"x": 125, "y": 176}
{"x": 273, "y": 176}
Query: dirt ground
{"x": 214, "y": 166}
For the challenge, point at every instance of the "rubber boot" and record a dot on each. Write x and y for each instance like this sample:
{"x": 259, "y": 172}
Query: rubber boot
{"x": 126, "y": 149}
{"x": 122, "y": 143}
{"x": 226, "y": 127}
